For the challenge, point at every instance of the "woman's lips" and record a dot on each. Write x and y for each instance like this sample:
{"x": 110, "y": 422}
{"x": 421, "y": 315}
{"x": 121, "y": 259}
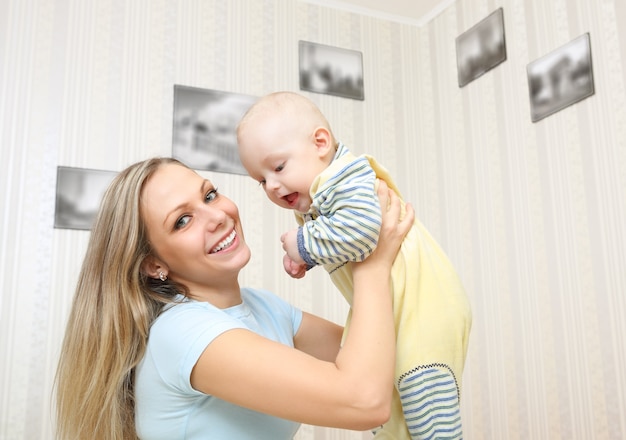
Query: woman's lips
{"x": 225, "y": 243}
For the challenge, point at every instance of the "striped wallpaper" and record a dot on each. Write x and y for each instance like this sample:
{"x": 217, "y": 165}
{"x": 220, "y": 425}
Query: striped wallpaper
{"x": 532, "y": 214}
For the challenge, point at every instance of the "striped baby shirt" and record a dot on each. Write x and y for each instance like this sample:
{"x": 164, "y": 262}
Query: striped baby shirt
{"x": 344, "y": 219}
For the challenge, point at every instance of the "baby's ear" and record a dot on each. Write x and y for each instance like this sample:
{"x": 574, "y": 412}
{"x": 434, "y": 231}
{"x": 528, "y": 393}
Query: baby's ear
{"x": 323, "y": 141}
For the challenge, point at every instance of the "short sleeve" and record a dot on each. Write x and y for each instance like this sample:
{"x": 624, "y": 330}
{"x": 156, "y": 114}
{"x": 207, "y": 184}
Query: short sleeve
{"x": 180, "y": 335}
{"x": 274, "y": 317}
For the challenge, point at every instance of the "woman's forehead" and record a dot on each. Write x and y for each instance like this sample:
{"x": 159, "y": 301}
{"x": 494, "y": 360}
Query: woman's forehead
{"x": 169, "y": 183}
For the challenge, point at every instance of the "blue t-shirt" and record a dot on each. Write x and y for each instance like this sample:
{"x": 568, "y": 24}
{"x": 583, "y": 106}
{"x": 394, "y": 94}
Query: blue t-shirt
{"x": 167, "y": 406}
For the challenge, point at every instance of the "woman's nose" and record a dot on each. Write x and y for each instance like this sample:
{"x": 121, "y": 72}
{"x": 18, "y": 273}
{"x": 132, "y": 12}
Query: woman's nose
{"x": 213, "y": 217}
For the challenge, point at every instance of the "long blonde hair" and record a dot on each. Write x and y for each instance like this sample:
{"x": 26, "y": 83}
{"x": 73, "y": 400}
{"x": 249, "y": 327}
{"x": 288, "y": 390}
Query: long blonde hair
{"x": 113, "y": 308}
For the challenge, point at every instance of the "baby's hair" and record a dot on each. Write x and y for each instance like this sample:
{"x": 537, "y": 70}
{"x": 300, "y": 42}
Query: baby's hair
{"x": 284, "y": 104}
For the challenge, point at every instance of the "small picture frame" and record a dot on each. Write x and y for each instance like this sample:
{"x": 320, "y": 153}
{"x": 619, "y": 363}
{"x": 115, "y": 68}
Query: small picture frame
{"x": 331, "y": 70}
{"x": 560, "y": 78}
{"x": 204, "y": 132}
{"x": 480, "y": 48}
{"x": 79, "y": 192}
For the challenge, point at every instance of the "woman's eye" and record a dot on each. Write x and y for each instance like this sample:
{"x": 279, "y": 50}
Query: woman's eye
{"x": 211, "y": 195}
{"x": 262, "y": 182}
{"x": 182, "y": 222}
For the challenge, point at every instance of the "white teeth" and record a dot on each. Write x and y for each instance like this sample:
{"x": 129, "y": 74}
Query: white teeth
{"x": 224, "y": 243}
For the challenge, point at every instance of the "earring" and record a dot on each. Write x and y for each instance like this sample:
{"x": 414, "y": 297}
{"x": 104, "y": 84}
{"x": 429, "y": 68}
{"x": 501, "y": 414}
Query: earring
{"x": 162, "y": 276}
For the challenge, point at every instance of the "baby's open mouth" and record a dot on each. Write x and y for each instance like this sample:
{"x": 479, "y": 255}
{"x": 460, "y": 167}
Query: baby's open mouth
{"x": 291, "y": 199}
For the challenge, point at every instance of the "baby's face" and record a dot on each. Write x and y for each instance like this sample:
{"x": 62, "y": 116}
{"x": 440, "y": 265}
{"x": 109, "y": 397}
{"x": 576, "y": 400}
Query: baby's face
{"x": 283, "y": 161}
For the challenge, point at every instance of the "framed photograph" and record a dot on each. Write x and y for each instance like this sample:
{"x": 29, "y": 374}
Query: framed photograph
{"x": 205, "y": 124}
{"x": 331, "y": 70}
{"x": 560, "y": 78}
{"x": 78, "y": 195}
{"x": 480, "y": 48}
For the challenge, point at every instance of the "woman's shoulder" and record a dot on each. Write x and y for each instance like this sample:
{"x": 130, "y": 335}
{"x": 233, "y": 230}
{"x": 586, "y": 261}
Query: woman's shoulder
{"x": 261, "y": 297}
{"x": 266, "y": 302}
{"x": 188, "y": 317}
{"x": 183, "y": 306}
{"x": 262, "y": 294}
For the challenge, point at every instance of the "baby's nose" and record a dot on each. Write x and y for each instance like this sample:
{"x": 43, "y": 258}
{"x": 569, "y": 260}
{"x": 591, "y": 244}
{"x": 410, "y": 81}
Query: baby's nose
{"x": 272, "y": 184}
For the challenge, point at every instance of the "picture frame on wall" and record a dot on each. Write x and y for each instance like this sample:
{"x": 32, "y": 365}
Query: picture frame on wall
{"x": 204, "y": 132}
{"x": 481, "y": 48}
{"x": 79, "y": 192}
{"x": 331, "y": 70}
{"x": 561, "y": 78}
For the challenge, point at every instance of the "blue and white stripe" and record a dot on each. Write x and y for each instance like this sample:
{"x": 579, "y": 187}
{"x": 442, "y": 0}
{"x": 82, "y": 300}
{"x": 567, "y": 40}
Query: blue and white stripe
{"x": 346, "y": 214}
{"x": 430, "y": 401}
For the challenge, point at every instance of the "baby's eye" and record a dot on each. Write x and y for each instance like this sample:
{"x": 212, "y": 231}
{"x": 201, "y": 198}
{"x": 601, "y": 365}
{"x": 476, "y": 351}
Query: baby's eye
{"x": 262, "y": 183}
{"x": 280, "y": 167}
{"x": 211, "y": 195}
{"x": 182, "y": 222}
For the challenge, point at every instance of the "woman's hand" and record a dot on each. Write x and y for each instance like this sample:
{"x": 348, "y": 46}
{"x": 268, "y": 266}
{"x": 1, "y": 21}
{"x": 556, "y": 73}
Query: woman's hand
{"x": 369, "y": 348}
{"x": 392, "y": 231}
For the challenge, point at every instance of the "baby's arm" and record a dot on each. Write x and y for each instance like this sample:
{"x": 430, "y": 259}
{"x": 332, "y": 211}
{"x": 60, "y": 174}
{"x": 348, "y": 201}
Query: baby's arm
{"x": 348, "y": 223}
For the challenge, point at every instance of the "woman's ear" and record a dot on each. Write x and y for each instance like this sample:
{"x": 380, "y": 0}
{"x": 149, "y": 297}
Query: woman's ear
{"x": 323, "y": 141}
{"x": 153, "y": 267}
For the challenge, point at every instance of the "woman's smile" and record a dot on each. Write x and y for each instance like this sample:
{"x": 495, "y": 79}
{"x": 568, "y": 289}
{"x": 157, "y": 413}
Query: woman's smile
{"x": 225, "y": 243}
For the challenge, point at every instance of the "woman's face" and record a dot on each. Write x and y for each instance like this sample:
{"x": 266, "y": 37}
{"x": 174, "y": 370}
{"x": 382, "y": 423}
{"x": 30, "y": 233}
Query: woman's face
{"x": 195, "y": 231}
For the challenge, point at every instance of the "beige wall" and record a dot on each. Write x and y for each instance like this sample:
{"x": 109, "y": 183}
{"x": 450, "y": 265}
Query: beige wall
{"x": 532, "y": 215}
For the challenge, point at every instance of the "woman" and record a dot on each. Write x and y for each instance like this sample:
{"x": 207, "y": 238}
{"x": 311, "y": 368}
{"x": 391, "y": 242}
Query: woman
{"x": 163, "y": 343}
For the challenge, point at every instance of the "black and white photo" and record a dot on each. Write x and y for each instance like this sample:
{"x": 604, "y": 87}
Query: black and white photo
{"x": 331, "y": 70}
{"x": 78, "y": 195}
{"x": 560, "y": 78}
{"x": 204, "y": 132}
{"x": 481, "y": 48}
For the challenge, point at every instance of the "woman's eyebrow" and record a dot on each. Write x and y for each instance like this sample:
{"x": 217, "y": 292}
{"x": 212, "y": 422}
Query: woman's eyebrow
{"x": 205, "y": 183}
{"x": 180, "y": 206}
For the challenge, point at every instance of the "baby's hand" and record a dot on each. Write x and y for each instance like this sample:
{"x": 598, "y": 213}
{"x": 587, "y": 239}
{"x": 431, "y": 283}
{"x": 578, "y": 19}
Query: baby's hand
{"x": 290, "y": 245}
{"x": 294, "y": 269}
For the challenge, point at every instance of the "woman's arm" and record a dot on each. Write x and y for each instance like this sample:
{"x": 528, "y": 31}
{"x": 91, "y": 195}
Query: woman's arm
{"x": 352, "y": 392}
{"x": 318, "y": 337}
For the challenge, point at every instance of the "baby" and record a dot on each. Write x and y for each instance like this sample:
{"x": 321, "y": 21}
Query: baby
{"x": 287, "y": 145}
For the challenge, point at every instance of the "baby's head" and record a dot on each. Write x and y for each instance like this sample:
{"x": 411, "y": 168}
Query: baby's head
{"x": 284, "y": 143}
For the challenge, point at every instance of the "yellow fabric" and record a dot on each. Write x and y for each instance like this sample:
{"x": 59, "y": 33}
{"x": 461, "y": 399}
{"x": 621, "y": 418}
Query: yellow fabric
{"x": 431, "y": 310}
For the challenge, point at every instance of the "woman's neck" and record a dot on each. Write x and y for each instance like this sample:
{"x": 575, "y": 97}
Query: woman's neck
{"x": 222, "y": 296}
